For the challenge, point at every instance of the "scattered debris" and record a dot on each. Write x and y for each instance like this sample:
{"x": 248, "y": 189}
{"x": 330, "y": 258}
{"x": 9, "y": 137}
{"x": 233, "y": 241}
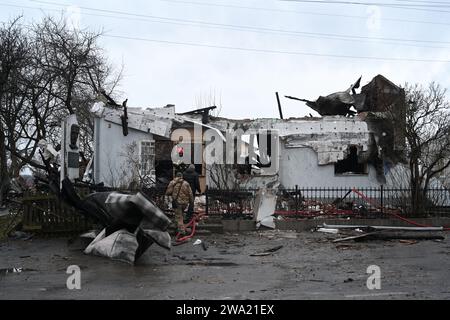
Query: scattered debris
{"x": 266, "y": 252}
{"x": 409, "y": 242}
{"x": 358, "y": 237}
{"x": 197, "y": 242}
{"x": 132, "y": 222}
{"x": 391, "y": 235}
{"x": 409, "y": 234}
{"x": 328, "y": 230}
{"x": 367, "y": 227}
{"x": 15, "y": 270}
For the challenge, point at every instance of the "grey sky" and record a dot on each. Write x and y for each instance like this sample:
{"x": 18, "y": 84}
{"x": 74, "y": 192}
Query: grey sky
{"x": 241, "y": 52}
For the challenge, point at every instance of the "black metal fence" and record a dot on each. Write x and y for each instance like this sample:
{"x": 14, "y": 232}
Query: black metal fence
{"x": 301, "y": 202}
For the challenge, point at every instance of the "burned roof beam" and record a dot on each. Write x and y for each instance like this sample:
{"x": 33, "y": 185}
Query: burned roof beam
{"x": 203, "y": 111}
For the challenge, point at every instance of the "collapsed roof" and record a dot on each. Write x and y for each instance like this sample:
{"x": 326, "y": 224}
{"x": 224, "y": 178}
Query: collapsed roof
{"x": 377, "y": 96}
{"x": 377, "y": 136}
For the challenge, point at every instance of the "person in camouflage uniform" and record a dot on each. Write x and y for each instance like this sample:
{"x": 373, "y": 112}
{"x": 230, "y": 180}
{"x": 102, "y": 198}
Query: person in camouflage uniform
{"x": 182, "y": 196}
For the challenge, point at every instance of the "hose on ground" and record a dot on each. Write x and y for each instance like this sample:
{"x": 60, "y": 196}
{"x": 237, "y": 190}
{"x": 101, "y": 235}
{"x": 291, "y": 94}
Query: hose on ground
{"x": 368, "y": 200}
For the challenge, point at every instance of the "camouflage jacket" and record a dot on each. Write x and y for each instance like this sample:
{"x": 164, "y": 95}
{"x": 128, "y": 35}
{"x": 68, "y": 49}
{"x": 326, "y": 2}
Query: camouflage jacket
{"x": 180, "y": 191}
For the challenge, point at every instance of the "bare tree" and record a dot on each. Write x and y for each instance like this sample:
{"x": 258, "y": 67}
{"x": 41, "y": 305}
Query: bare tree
{"x": 139, "y": 169}
{"x": 47, "y": 71}
{"x": 73, "y": 58}
{"x": 13, "y": 60}
{"x": 428, "y": 138}
{"x": 222, "y": 176}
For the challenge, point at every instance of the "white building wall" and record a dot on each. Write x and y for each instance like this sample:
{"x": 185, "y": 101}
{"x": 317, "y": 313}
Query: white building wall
{"x": 299, "y": 166}
{"x": 111, "y": 165}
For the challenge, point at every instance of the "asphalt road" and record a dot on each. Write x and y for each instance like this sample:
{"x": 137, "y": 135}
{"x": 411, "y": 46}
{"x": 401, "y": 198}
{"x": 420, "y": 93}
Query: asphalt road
{"x": 308, "y": 266}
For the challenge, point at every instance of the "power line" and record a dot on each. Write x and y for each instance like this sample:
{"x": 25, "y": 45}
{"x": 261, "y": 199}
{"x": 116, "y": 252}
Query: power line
{"x": 423, "y": 1}
{"x": 300, "y": 12}
{"x": 276, "y": 51}
{"x": 252, "y": 28}
{"x": 427, "y": 5}
{"x": 284, "y": 32}
{"x": 387, "y": 5}
{"x": 276, "y": 31}
{"x": 272, "y": 51}
{"x": 403, "y": 4}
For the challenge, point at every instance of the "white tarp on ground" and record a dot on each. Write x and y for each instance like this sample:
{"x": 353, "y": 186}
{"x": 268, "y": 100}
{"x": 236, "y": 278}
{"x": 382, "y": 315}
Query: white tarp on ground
{"x": 265, "y": 203}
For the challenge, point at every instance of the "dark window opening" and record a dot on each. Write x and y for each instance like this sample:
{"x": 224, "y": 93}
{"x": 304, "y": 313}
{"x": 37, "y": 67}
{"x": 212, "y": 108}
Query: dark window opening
{"x": 265, "y": 153}
{"x": 350, "y": 164}
{"x": 197, "y": 150}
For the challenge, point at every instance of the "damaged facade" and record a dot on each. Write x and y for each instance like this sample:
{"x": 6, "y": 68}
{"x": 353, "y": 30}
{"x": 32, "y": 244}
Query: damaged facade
{"x": 335, "y": 150}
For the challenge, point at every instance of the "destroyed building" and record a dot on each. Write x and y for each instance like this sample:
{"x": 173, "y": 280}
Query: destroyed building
{"x": 140, "y": 147}
{"x": 335, "y": 150}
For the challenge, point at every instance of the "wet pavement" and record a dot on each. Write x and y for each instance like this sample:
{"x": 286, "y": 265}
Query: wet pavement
{"x": 307, "y": 266}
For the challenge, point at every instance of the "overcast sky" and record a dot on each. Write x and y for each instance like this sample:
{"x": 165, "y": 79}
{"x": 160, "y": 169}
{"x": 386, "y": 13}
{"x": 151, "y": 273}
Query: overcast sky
{"x": 243, "y": 51}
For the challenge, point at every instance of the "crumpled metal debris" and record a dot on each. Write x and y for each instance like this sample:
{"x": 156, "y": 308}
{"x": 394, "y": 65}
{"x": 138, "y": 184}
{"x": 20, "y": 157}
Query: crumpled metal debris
{"x": 338, "y": 103}
{"x": 132, "y": 223}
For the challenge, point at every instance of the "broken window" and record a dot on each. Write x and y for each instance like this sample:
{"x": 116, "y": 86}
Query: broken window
{"x": 350, "y": 165}
{"x": 255, "y": 154}
{"x": 147, "y": 157}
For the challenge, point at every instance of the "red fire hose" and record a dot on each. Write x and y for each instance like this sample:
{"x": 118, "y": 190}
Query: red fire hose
{"x": 193, "y": 224}
{"x": 368, "y": 200}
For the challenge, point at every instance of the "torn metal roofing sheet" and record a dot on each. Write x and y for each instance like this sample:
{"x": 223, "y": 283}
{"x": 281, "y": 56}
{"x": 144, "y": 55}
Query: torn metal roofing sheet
{"x": 158, "y": 121}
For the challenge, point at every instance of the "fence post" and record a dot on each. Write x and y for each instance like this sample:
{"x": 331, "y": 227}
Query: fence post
{"x": 381, "y": 198}
{"x": 296, "y": 199}
{"x": 206, "y": 200}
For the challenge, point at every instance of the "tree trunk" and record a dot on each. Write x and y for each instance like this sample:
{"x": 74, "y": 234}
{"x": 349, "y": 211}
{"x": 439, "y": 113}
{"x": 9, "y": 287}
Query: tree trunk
{"x": 14, "y": 168}
{"x": 417, "y": 200}
{"x": 4, "y": 177}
